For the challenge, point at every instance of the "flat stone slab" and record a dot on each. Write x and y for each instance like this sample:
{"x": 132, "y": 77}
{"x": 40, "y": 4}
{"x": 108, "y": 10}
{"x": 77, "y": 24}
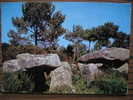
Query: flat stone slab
{"x": 107, "y": 54}
{"x": 27, "y": 61}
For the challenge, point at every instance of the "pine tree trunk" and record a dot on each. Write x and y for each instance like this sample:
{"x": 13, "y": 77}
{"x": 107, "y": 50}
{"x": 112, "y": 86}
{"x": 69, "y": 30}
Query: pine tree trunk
{"x": 35, "y": 30}
{"x": 74, "y": 55}
{"x": 89, "y": 45}
{"x": 36, "y": 39}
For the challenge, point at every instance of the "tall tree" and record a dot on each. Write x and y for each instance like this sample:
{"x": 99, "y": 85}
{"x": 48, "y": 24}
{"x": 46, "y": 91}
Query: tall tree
{"x": 17, "y": 38}
{"x": 41, "y": 21}
{"x": 121, "y": 40}
{"x": 90, "y": 36}
{"x": 108, "y": 35}
{"x": 75, "y": 38}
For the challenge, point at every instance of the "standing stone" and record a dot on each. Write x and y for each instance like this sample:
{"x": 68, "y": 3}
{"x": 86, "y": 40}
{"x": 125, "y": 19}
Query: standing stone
{"x": 90, "y": 71}
{"x": 61, "y": 77}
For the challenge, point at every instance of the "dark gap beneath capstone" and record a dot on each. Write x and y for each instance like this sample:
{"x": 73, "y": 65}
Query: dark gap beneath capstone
{"x": 38, "y": 77}
{"x": 106, "y": 63}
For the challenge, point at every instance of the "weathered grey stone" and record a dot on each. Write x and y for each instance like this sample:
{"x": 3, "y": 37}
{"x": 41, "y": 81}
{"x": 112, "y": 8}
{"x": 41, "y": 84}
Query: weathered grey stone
{"x": 123, "y": 68}
{"x": 29, "y": 60}
{"x": 61, "y": 77}
{"x": 90, "y": 72}
{"x": 25, "y": 61}
{"x": 11, "y": 66}
{"x": 109, "y": 57}
{"x": 108, "y": 53}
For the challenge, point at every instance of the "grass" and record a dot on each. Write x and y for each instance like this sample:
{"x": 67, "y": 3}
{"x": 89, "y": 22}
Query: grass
{"x": 80, "y": 85}
{"x": 111, "y": 84}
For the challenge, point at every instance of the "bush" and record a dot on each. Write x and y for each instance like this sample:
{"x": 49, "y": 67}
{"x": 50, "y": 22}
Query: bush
{"x": 17, "y": 81}
{"x": 62, "y": 90}
{"x": 80, "y": 85}
{"x": 112, "y": 84}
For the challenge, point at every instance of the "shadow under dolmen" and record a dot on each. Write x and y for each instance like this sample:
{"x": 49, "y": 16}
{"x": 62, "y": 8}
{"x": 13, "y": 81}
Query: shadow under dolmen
{"x": 40, "y": 74}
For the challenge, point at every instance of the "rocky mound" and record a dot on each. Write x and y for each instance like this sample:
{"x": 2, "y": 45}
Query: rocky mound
{"x": 109, "y": 56}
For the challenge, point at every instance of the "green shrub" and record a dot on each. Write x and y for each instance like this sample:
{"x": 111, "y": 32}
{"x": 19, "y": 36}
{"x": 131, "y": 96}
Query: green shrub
{"x": 17, "y": 81}
{"x": 62, "y": 90}
{"x": 80, "y": 85}
{"x": 112, "y": 84}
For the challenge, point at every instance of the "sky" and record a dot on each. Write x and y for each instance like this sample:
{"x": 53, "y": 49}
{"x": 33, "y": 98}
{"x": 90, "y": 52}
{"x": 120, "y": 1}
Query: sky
{"x": 86, "y": 14}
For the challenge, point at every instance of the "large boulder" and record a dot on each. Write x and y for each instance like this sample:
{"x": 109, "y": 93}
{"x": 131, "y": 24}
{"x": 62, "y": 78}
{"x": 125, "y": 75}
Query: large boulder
{"x": 27, "y": 61}
{"x": 111, "y": 56}
{"x": 11, "y": 66}
{"x": 61, "y": 77}
{"x": 90, "y": 71}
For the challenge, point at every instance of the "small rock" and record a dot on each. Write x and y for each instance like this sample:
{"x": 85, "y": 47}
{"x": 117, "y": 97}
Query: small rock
{"x": 123, "y": 68}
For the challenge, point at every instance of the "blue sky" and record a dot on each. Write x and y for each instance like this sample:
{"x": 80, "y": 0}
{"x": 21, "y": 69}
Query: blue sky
{"x": 87, "y": 14}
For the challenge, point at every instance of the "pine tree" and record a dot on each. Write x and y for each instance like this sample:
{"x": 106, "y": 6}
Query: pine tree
{"x": 39, "y": 22}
